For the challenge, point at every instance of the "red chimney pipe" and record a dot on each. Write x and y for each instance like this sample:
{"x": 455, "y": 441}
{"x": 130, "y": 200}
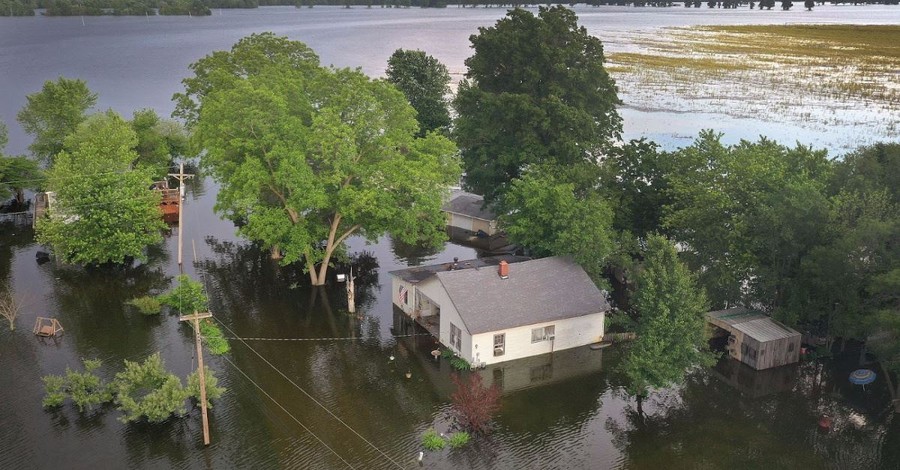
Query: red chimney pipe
{"x": 504, "y": 270}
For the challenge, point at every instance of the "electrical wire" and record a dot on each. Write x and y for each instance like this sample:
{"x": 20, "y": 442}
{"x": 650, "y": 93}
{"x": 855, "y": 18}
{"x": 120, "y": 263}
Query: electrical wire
{"x": 317, "y": 402}
{"x": 286, "y": 411}
{"x": 81, "y": 176}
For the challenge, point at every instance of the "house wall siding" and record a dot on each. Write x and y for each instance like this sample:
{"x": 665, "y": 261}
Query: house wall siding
{"x": 570, "y": 333}
{"x": 410, "y": 306}
{"x": 435, "y": 291}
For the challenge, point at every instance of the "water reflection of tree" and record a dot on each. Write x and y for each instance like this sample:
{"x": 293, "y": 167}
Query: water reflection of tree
{"x": 91, "y": 305}
{"x": 706, "y": 423}
{"x": 243, "y": 278}
{"x": 413, "y": 255}
{"x": 12, "y": 237}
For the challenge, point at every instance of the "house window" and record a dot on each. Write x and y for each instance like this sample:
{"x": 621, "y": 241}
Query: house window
{"x": 455, "y": 337}
{"x": 499, "y": 344}
{"x": 544, "y": 333}
{"x": 790, "y": 347}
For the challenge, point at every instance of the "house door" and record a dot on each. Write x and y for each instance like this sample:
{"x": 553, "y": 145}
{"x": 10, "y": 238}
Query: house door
{"x": 499, "y": 344}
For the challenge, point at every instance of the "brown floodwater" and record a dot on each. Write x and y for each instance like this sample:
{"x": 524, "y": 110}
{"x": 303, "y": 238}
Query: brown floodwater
{"x": 332, "y": 402}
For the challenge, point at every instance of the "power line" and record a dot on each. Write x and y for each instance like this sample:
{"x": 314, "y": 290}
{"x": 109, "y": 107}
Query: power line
{"x": 341, "y": 338}
{"x": 317, "y": 402}
{"x": 286, "y": 411}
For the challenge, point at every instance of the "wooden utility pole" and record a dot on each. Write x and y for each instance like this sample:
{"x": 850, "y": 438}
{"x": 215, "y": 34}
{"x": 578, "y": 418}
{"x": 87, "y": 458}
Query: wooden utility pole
{"x": 351, "y": 293}
{"x": 195, "y": 318}
{"x": 180, "y": 176}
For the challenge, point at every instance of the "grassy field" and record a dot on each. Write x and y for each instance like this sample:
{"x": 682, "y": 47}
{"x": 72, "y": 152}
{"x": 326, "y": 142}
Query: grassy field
{"x": 818, "y": 75}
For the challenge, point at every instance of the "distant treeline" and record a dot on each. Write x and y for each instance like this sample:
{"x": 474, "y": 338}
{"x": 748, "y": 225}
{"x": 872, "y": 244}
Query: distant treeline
{"x": 204, "y": 7}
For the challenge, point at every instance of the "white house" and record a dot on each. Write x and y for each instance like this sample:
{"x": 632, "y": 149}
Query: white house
{"x": 497, "y": 309}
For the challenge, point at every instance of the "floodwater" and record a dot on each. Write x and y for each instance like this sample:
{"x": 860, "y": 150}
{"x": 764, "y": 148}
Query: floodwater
{"x": 331, "y": 397}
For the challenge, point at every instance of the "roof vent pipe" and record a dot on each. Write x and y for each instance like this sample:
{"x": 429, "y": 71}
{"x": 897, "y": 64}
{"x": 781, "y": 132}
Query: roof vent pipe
{"x": 503, "y": 270}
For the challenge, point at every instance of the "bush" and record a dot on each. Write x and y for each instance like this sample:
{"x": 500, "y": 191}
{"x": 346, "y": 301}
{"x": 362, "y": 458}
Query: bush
{"x": 213, "y": 391}
{"x": 187, "y": 297}
{"x": 213, "y": 337}
{"x": 142, "y": 391}
{"x": 459, "y": 363}
{"x": 54, "y": 391}
{"x": 432, "y": 441}
{"x": 86, "y": 389}
{"x": 147, "y": 390}
{"x": 147, "y": 305}
{"x": 459, "y": 439}
{"x": 473, "y": 406}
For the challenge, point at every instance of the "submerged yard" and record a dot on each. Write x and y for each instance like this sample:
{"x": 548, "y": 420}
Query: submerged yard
{"x": 815, "y": 76}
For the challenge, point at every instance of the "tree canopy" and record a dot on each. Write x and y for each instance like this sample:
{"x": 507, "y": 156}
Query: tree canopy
{"x": 536, "y": 91}
{"x": 104, "y": 211}
{"x": 53, "y": 113}
{"x": 671, "y": 331}
{"x": 426, "y": 83}
{"x": 307, "y": 156}
{"x": 551, "y": 217}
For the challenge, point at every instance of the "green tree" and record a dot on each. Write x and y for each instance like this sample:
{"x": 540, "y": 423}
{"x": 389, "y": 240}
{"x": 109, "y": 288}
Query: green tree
{"x": 308, "y": 156}
{"x": 159, "y": 141}
{"x": 53, "y": 113}
{"x": 748, "y": 215}
{"x": 536, "y": 91}
{"x": 187, "y": 297}
{"x": 671, "y": 329}
{"x": 551, "y": 217}
{"x": 425, "y": 82}
{"x": 103, "y": 210}
{"x": 635, "y": 180}
{"x": 17, "y": 173}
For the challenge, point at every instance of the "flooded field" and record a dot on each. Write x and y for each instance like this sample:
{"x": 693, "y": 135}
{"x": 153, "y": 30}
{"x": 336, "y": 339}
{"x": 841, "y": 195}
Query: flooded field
{"x": 312, "y": 386}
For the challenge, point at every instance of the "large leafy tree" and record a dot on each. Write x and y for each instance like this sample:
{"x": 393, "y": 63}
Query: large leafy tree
{"x": 103, "y": 210}
{"x": 536, "y": 91}
{"x": 553, "y": 217}
{"x": 748, "y": 215}
{"x": 53, "y": 113}
{"x": 307, "y": 156}
{"x": 426, "y": 83}
{"x": 671, "y": 330}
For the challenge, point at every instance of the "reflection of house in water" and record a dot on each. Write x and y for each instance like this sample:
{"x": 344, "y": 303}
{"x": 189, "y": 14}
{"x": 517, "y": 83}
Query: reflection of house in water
{"x": 756, "y": 383}
{"x": 520, "y": 308}
{"x": 510, "y": 376}
{"x": 756, "y": 339}
{"x": 470, "y": 223}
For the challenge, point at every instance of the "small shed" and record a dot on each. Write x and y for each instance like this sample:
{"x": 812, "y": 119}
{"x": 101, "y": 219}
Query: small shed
{"x": 466, "y": 211}
{"x": 757, "y": 339}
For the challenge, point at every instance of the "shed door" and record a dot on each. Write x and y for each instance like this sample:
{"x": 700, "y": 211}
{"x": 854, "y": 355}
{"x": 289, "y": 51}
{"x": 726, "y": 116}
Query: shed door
{"x": 461, "y": 221}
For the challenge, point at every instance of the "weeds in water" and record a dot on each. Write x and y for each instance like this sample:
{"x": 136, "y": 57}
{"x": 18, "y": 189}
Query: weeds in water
{"x": 431, "y": 440}
{"x": 459, "y": 439}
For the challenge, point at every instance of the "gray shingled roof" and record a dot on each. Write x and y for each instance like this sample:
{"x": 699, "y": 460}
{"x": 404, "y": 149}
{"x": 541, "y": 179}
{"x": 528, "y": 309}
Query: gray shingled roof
{"x": 468, "y": 204}
{"x": 536, "y": 291}
{"x": 418, "y": 274}
{"x": 754, "y": 324}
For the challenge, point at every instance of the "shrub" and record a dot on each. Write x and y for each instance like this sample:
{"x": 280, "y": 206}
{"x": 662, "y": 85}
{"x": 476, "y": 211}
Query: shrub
{"x": 459, "y": 363}
{"x": 446, "y": 353}
{"x": 473, "y": 405}
{"x": 459, "y": 439}
{"x": 187, "y": 297}
{"x": 54, "y": 391}
{"x": 213, "y": 391}
{"x": 147, "y": 305}
{"x": 213, "y": 337}
{"x": 147, "y": 390}
{"x": 432, "y": 441}
{"x": 86, "y": 389}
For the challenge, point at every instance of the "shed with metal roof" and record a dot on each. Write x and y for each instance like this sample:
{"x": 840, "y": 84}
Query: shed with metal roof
{"x": 757, "y": 339}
